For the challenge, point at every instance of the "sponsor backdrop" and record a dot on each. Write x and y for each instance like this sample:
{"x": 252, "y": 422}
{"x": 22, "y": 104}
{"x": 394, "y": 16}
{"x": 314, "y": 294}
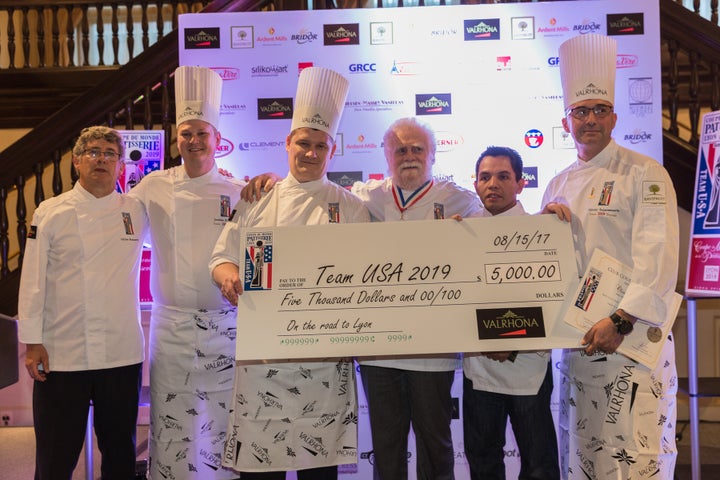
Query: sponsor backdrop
{"x": 479, "y": 75}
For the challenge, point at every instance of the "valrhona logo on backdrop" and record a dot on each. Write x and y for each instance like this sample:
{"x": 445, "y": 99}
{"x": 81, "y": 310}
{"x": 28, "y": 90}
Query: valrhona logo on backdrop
{"x": 519, "y": 322}
{"x": 199, "y": 38}
{"x": 275, "y": 108}
{"x": 482, "y": 29}
{"x": 341, "y": 34}
{"x": 625, "y": 24}
{"x": 433, "y": 104}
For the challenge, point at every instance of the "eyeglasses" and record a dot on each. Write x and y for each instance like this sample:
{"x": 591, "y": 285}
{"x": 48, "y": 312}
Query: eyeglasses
{"x": 108, "y": 155}
{"x": 581, "y": 113}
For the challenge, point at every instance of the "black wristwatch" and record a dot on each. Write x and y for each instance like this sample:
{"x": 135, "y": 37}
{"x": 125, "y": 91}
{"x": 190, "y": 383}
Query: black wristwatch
{"x": 624, "y": 327}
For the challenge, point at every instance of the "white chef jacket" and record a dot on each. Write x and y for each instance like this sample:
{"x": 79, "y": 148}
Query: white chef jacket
{"x": 271, "y": 427}
{"x": 613, "y": 204}
{"x": 192, "y": 332}
{"x": 186, "y": 215}
{"x": 444, "y": 197}
{"x": 524, "y": 376}
{"x": 79, "y": 285}
{"x": 617, "y": 417}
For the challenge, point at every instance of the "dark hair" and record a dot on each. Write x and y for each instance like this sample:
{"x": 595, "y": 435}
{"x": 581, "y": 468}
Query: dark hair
{"x": 515, "y": 160}
{"x": 98, "y": 133}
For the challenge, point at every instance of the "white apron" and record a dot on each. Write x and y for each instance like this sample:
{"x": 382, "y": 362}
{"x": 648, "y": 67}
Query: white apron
{"x": 617, "y": 395}
{"x": 190, "y": 389}
{"x": 303, "y": 416}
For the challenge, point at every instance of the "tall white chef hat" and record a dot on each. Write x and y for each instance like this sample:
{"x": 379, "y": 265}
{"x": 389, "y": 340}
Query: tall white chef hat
{"x": 320, "y": 100}
{"x": 587, "y": 68}
{"x": 197, "y": 95}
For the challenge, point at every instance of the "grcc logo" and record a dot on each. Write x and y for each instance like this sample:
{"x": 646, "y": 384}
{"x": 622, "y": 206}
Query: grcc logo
{"x": 363, "y": 67}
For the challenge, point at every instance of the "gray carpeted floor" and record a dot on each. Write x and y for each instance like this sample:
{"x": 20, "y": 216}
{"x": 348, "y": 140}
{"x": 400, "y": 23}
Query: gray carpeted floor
{"x": 17, "y": 453}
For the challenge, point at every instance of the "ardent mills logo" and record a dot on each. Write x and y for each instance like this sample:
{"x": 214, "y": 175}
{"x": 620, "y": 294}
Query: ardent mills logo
{"x": 202, "y": 38}
{"x": 341, "y": 34}
{"x": 524, "y": 322}
{"x": 274, "y": 108}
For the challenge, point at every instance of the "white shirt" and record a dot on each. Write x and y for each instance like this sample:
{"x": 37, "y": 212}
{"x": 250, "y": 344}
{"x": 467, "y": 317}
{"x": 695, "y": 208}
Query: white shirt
{"x": 79, "y": 285}
{"x": 186, "y": 217}
{"x": 444, "y": 197}
{"x": 624, "y": 203}
{"x": 524, "y": 376}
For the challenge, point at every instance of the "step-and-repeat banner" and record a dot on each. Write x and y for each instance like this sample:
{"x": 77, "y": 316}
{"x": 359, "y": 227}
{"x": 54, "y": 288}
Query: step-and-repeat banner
{"x": 479, "y": 75}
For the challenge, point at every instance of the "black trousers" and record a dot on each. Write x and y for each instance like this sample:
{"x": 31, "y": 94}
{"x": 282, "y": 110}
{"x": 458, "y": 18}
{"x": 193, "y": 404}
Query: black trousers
{"x": 321, "y": 473}
{"x": 60, "y": 409}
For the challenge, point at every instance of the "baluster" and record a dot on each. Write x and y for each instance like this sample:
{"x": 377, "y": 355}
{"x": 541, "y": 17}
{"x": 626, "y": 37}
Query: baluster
{"x": 111, "y": 119}
{"x": 160, "y": 25}
{"x": 165, "y": 117}
{"x": 41, "y": 36}
{"x": 4, "y": 234}
{"x": 673, "y": 87}
{"x": 25, "y": 36}
{"x": 714, "y": 12}
{"x": 173, "y": 7}
{"x": 144, "y": 25}
{"x": 39, "y": 189}
{"x": 70, "y": 36}
{"x": 715, "y": 87}
{"x": 85, "y": 36}
{"x": 57, "y": 185}
{"x": 696, "y": 6}
{"x": 21, "y": 211}
{"x": 129, "y": 125}
{"x": 11, "y": 36}
{"x": 694, "y": 106}
{"x": 55, "y": 36}
{"x": 115, "y": 40}
{"x": 130, "y": 28}
{"x": 148, "y": 123}
{"x": 100, "y": 28}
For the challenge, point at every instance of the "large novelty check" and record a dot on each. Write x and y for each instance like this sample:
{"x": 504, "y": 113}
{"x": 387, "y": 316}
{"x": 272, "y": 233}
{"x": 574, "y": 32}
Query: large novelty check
{"x": 483, "y": 284}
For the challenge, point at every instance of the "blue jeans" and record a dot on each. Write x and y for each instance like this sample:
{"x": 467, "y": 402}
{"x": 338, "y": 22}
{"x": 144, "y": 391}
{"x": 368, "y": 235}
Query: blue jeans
{"x": 485, "y": 416}
{"x": 396, "y": 398}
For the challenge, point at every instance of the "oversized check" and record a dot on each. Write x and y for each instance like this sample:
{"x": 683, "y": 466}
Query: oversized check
{"x": 483, "y": 284}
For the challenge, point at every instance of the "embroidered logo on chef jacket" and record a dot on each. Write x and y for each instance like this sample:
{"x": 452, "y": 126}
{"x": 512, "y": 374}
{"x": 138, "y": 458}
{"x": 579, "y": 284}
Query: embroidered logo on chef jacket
{"x": 333, "y": 212}
{"x": 606, "y": 193}
{"x": 127, "y": 222}
{"x": 225, "y": 206}
{"x": 438, "y": 211}
{"x": 654, "y": 193}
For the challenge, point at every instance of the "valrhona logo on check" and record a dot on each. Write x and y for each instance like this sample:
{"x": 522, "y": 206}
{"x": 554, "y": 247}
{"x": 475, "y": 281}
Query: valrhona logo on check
{"x": 258, "y": 261}
{"x": 521, "y": 322}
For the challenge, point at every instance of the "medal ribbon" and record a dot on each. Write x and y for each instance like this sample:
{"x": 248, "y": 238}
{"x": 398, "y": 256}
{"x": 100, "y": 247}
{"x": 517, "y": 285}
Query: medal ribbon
{"x": 402, "y": 203}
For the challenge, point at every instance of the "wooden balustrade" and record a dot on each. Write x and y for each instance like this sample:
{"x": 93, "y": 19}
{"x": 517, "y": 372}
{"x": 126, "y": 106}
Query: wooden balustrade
{"x": 44, "y": 34}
